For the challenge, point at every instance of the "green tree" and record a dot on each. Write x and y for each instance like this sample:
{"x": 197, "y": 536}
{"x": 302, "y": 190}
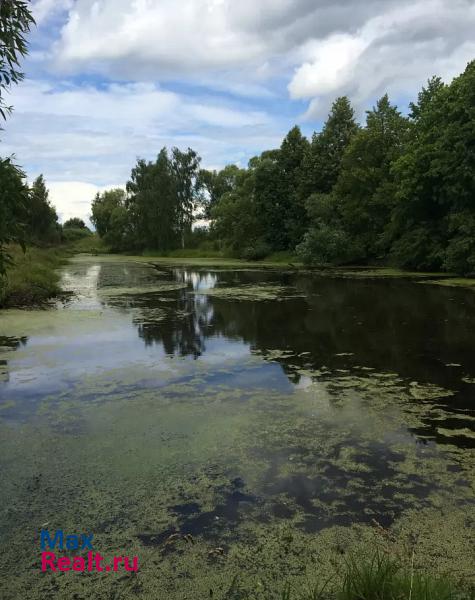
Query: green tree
{"x": 326, "y": 242}
{"x": 365, "y": 190}
{"x": 277, "y": 174}
{"x": 111, "y": 219}
{"x": 433, "y": 223}
{"x": 234, "y": 217}
{"x": 14, "y": 197}
{"x": 269, "y": 203}
{"x": 290, "y": 163}
{"x": 42, "y": 220}
{"x": 217, "y": 183}
{"x": 360, "y": 204}
{"x": 152, "y": 202}
{"x": 322, "y": 161}
{"x": 16, "y": 20}
{"x": 74, "y": 223}
{"x": 187, "y": 187}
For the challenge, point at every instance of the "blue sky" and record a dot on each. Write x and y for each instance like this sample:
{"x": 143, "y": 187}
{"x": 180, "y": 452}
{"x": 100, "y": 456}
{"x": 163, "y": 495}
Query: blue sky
{"x": 110, "y": 80}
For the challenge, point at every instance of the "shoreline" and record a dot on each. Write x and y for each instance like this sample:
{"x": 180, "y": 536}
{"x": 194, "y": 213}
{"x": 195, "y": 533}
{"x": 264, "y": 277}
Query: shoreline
{"x": 33, "y": 278}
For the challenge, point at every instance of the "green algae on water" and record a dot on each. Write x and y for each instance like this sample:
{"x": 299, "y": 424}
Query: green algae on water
{"x": 252, "y": 292}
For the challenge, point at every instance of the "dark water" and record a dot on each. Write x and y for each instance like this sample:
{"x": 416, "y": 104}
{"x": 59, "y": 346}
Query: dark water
{"x": 216, "y": 403}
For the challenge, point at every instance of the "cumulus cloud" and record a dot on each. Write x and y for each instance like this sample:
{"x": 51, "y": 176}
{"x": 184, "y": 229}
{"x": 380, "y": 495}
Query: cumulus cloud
{"x": 83, "y": 135}
{"x": 333, "y": 46}
{"x": 73, "y": 198}
{"x": 170, "y": 39}
{"x": 395, "y": 51}
{"x": 117, "y": 79}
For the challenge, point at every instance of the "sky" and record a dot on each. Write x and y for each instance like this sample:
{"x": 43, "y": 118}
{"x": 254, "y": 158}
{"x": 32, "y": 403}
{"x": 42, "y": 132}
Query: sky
{"x": 108, "y": 81}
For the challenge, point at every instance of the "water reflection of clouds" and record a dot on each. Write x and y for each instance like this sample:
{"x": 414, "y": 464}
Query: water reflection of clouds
{"x": 83, "y": 282}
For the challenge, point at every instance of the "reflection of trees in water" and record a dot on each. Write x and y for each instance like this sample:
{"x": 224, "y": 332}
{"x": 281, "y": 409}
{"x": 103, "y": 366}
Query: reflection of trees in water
{"x": 183, "y": 327}
{"x": 412, "y": 329}
{"x": 197, "y": 280}
{"x": 9, "y": 343}
{"x": 189, "y": 317}
{"x": 409, "y": 328}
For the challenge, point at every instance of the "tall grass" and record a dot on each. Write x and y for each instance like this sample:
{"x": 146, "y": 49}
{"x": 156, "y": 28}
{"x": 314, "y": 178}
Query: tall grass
{"x": 383, "y": 578}
{"x": 32, "y": 278}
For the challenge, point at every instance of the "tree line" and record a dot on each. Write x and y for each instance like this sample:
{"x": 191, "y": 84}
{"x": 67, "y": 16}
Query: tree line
{"x": 399, "y": 189}
{"x": 158, "y": 207}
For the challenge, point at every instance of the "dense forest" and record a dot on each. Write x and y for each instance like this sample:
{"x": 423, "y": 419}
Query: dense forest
{"x": 397, "y": 190}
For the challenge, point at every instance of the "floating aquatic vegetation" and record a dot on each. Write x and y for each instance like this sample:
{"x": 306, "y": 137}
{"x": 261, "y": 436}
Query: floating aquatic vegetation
{"x": 463, "y": 432}
{"x": 156, "y": 287}
{"x": 428, "y": 391}
{"x": 252, "y": 292}
{"x": 461, "y": 282}
{"x": 259, "y": 459}
{"x": 273, "y": 354}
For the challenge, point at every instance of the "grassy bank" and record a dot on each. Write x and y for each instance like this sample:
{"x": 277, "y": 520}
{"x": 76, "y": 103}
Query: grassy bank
{"x": 199, "y": 253}
{"x": 380, "y": 578}
{"x": 32, "y": 278}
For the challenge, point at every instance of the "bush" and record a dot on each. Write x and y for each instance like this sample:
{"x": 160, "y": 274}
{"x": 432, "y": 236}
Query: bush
{"x": 325, "y": 245}
{"x": 256, "y": 251}
{"x": 418, "y": 249}
{"x": 460, "y": 251}
{"x": 32, "y": 278}
{"x": 72, "y": 234}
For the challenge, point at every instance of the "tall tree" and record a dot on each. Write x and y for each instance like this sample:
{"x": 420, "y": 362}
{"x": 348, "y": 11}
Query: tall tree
{"x": 276, "y": 176}
{"x": 434, "y": 222}
{"x": 290, "y": 163}
{"x": 42, "y": 219}
{"x": 185, "y": 170}
{"x": 111, "y": 219}
{"x": 234, "y": 218}
{"x": 217, "y": 183}
{"x": 365, "y": 190}
{"x": 322, "y": 161}
{"x": 359, "y": 206}
{"x": 152, "y": 202}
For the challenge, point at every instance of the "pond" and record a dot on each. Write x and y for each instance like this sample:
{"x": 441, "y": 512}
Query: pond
{"x": 234, "y": 425}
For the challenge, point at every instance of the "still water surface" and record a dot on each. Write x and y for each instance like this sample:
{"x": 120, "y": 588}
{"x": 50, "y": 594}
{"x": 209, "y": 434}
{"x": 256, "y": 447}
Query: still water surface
{"x": 235, "y": 406}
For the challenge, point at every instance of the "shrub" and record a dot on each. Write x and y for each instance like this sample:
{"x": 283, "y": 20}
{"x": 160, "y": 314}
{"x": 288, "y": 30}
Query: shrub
{"x": 256, "y": 251}
{"x": 325, "y": 245}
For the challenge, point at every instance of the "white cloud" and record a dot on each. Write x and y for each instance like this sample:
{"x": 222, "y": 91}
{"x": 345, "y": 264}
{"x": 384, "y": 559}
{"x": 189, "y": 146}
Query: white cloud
{"x": 73, "y": 198}
{"x": 396, "y": 51}
{"x": 81, "y": 133}
{"x": 44, "y": 9}
{"x": 331, "y": 65}
{"x": 358, "y": 47}
{"x": 191, "y": 34}
{"x": 224, "y": 69}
